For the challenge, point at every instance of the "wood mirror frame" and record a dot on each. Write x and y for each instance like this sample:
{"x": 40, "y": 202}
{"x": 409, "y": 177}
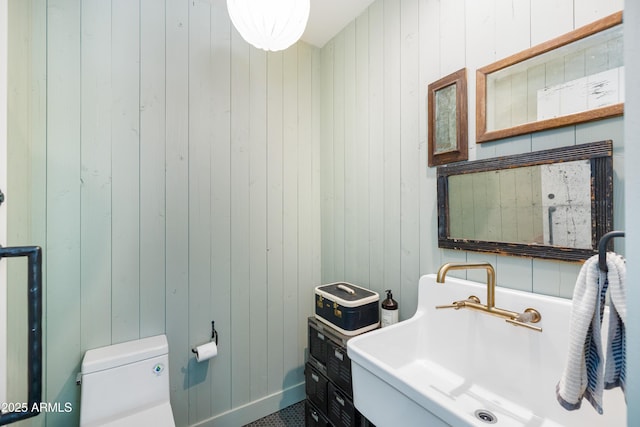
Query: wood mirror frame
{"x": 599, "y": 154}
{"x": 483, "y": 134}
{"x": 458, "y": 151}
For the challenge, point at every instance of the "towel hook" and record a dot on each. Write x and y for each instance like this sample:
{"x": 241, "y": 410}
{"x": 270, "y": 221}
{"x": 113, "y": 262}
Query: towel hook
{"x": 602, "y": 248}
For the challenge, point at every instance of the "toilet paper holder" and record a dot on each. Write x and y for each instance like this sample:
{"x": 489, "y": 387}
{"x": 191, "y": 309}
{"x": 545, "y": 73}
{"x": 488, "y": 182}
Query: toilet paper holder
{"x": 214, "y": 336}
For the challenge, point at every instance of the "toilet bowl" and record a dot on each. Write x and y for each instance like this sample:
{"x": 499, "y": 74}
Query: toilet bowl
{"x": 127, "y": 385}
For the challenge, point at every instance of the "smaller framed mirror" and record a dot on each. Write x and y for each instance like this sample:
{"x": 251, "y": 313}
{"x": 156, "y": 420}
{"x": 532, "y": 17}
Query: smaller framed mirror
{"x": 447, "y": 123}
{"x": 554, "y": 204}
{"x": 575, "y": 78}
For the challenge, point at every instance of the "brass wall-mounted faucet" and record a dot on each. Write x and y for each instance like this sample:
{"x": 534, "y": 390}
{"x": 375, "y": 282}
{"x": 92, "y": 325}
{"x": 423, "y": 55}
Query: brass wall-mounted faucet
{"x": 530, "y": 315}
{"x": 491, "y": 276}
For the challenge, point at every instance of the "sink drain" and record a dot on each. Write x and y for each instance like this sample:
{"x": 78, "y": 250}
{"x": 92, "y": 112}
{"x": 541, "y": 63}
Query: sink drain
{"x": 486, "y": 416}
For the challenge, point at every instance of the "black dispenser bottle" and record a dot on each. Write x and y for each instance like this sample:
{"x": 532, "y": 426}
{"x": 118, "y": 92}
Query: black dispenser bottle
{"x": 389, "y": 310}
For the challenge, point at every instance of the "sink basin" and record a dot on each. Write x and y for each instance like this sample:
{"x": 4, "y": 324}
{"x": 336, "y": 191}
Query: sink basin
{"x": 467, "y": 368}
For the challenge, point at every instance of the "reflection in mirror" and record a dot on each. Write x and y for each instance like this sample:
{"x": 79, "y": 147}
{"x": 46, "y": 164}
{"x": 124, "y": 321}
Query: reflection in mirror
{"x": 446, "y": 131}
{"x": 575, "y": 78}
{"x": 549, "y": 204}
{"x": 543, "y": 205}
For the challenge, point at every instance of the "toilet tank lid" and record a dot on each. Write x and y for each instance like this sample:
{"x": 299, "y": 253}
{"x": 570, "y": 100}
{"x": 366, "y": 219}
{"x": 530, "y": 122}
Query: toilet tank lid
{"x": 99, "y": 359}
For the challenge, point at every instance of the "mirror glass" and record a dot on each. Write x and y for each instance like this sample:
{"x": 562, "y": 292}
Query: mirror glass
{"x": 538, "y": 205}
{"x": 582, "y": 76}
{"x": 575, "y": 78}
{"x": 552, "y": 204}
{"x": 446, "y": 132}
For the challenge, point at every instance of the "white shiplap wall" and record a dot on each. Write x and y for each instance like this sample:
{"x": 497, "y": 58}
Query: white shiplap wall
{"x": 152, "y": 133}
{"x": 172, "y": 172}
{"x": 401, "y": 47}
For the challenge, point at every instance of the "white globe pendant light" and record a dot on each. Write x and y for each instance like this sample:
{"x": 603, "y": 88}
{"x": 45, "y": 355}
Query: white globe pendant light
{"x": 269, "y": 24}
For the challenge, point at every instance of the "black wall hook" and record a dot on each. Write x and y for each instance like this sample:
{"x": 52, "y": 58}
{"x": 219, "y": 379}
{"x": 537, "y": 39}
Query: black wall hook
{"x": 602, "y": 248}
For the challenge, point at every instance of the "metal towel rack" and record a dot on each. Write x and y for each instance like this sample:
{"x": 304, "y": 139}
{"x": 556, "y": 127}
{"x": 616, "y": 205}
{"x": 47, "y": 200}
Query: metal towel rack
{"x": 602, "y": 248}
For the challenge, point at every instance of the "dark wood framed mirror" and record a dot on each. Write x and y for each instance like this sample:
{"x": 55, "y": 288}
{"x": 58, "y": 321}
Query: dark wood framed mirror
{"x": 553, "y": 204}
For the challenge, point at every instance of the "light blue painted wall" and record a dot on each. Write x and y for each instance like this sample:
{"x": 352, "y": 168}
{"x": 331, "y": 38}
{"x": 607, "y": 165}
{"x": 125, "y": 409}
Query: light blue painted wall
{"x": 171, "y": 173}
{"x": 381, "y": 232}
{"x": 340, "y": 131}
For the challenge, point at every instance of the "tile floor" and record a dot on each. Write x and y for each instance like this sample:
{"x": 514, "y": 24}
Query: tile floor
{"x": 291, "y": 416}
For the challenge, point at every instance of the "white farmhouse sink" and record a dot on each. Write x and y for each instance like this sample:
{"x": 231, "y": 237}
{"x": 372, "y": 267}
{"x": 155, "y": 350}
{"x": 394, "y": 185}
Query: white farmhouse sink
{"x": 441, "y": 367}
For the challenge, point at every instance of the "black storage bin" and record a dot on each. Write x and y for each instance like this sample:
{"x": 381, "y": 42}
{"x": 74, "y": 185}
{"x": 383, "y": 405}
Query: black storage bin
{"x": 313, "y": 417}
{"x": 328, "y": 379}
{"x": 341, "y": 411}
{"x": 339, "y": 367}
{"x": 348, "y": 308}
{"x": 367, "y": 423}
{"x": 316, "y": 387}
{"x": 318, "y": 346}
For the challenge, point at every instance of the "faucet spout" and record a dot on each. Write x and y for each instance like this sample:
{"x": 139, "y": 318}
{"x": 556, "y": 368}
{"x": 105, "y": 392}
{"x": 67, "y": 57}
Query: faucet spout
{"x": 525, "y": 319}
{"x": 491, "y": 277}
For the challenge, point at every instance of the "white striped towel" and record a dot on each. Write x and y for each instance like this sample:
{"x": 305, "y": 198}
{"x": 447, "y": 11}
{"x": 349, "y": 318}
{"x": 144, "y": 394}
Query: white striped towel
{"x": 615, "y": 368}
{"x": 583, "y": 375}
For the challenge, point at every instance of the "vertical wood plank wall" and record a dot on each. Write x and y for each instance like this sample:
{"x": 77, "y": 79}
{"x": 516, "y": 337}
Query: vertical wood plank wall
{"x": 174, "y": 180}
{"x": 175, "y": 176}
{"x": 401, "y": 47}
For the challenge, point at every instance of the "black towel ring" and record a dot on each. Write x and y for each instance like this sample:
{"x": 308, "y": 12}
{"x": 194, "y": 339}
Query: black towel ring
{"x": 602, "y": 248}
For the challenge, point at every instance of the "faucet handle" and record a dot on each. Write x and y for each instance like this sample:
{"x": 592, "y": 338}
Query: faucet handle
{"x": 526, "y": 325}
{"x": 530, "y": 315}
{"x": 456, "y": 304}
{"x": 460, "y": 304}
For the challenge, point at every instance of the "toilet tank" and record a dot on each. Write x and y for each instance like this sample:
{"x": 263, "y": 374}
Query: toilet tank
{"x": 124, "y": 379}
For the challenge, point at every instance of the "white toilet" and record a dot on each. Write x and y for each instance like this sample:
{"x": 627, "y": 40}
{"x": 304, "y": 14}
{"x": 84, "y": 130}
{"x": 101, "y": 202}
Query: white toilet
{"x": 127, "y": 385}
